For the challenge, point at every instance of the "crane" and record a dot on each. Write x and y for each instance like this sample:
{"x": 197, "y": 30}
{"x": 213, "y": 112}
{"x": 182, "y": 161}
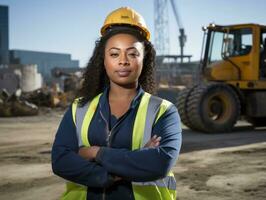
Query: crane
{"x": 162, "y": 28}
{"x": 182, "y": 37}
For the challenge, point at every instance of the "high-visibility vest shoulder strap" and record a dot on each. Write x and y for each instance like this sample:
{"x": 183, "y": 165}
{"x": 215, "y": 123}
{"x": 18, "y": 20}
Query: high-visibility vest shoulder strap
{"x": 151, "y": 108}
{"x": 82, "y": 117}
{"x": 163, "y": 107}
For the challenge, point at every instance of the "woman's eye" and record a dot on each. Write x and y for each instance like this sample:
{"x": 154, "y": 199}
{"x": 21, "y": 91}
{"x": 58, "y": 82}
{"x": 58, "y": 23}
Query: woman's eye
{"x": 133, "y": 55}
{"x": 114, "y": 54}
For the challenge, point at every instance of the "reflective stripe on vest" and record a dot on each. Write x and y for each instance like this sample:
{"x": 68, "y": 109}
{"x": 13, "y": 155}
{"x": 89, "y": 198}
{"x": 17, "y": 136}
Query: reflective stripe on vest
{"x": 167, "y": 182}
{"x": 151, "y": 108}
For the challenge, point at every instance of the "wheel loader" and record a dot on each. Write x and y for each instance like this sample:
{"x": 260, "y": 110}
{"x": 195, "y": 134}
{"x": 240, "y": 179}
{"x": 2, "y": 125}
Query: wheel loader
{"x": 231, "y": 80}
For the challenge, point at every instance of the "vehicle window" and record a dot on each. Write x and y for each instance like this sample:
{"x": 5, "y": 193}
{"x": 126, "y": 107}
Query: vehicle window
{"x": 215, "y": 51}
{"x": 241, "y": 42}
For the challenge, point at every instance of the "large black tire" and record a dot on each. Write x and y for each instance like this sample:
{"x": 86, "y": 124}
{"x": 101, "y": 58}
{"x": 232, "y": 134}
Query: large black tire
{"x": 181, "y": 104}
{"x": 213, "y": 108}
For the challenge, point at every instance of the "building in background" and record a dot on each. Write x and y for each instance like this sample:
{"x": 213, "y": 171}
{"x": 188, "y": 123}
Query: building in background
{"x": 4, "y": 49}
{"x": 45, "y": 61}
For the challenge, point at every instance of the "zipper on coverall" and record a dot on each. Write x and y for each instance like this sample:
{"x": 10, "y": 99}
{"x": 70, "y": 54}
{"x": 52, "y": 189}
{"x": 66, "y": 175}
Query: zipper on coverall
{"x": 109, "y": 135}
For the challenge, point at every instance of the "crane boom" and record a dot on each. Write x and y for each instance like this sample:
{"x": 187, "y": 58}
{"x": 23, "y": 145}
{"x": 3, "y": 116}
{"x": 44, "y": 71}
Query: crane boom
{"x": 182, "y": 37}
{"x": 174, "y": 7}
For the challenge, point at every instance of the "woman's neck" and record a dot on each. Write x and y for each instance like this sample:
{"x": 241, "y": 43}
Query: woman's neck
{"x": 117, "y": 92}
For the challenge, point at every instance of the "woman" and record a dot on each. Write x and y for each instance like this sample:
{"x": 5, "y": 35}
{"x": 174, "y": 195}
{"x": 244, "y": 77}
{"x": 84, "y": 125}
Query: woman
{"x": 117, "y": 141}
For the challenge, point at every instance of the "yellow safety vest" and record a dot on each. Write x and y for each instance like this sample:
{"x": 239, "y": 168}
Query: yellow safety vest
{"x": 150, "y": 110}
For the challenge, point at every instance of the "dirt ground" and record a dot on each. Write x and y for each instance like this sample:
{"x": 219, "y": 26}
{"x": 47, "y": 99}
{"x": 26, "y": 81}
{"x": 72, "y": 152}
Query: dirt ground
{"x": 211, "y": 167}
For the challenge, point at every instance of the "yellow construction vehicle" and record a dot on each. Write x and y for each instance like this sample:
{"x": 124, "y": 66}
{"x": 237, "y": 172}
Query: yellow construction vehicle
{"x": 232, "y": 80}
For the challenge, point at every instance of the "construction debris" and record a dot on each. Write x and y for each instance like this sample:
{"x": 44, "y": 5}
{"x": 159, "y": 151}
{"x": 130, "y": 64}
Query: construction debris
{"x": 12, "y": 105}
{"x": 47, "y": 97}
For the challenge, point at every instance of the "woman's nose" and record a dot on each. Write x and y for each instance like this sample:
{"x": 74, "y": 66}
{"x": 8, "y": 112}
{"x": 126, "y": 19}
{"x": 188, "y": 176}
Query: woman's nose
{"x": 123, "y": 60}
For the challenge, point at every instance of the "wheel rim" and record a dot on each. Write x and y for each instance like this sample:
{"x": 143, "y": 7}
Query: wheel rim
{"x": 218, "y": 107}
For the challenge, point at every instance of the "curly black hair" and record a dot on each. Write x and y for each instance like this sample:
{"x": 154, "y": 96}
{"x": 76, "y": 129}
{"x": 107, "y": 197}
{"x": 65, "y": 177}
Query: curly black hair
{"x": 95, "y": 79}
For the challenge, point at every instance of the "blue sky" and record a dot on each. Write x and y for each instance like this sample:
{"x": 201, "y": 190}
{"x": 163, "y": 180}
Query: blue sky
{"x": 72, "y": 26}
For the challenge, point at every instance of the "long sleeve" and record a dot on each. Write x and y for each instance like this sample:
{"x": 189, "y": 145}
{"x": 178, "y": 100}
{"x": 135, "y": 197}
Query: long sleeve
{"x": 147, "y": 164}
{"x": 67, "y": 164}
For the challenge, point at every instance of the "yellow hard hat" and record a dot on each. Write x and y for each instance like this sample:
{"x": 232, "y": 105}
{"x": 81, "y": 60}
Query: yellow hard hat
{"x": 125, "y": 16}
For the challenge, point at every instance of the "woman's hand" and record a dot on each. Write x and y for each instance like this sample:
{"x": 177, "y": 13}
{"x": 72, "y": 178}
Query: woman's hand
{"x": 153, "y": 142}
{"x": 89, "y": 153}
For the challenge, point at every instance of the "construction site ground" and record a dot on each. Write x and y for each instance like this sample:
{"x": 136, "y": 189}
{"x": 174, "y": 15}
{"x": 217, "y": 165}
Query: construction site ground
{"x": 210, "y": 167}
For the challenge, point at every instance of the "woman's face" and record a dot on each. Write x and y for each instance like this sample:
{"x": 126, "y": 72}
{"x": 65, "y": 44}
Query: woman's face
{"x": 123, "y": 59}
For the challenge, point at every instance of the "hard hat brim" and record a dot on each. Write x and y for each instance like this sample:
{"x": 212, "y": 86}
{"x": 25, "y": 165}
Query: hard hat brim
{"x": 122, "y": 28}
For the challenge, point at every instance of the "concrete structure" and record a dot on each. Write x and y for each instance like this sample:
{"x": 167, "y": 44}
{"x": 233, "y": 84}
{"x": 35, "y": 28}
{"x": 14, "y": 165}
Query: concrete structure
{"x": 24, "y": 77}
{"x": 4, "y": 45}
{"x": 44, "y": 60}
{"x": 9, "y": 80}
{"x": 30, "y": 79}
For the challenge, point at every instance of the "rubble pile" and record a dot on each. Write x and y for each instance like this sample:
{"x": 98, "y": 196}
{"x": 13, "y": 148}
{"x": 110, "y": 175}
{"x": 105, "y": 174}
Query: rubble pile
{"x": 12, "y": 105}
